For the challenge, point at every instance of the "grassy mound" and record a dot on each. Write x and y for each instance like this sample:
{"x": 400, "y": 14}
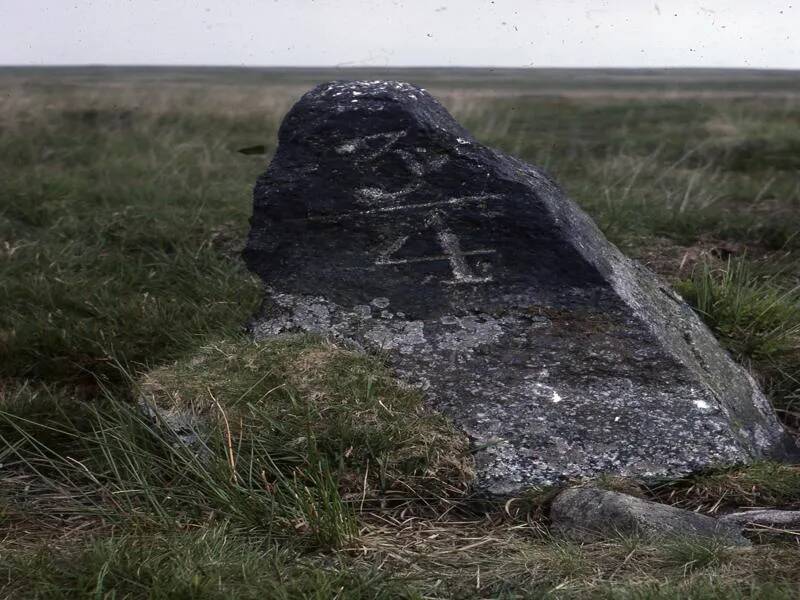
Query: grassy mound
{"x": 285, "y": 438}
{"x": 310, "y": 397}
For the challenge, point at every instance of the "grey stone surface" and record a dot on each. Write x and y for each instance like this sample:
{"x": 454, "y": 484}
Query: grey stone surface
{"x": 382, "y": 222}
{"x": 188, "y": 427}
{"x": 586, "y": 514}
{"x": 778, "y": 519}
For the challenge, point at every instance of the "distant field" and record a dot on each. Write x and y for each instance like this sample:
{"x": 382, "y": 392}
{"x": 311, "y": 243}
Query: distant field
{"x": 123, "y": 204}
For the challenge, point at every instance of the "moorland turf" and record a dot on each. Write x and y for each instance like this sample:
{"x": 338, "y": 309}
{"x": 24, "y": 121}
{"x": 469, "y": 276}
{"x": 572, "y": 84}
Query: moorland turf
{"x": 123, "y": 204}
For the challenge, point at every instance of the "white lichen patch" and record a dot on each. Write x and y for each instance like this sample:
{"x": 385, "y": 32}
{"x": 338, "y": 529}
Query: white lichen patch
{"x": 472, "y": 332}
{"x": 369, "y": 195}
{"x": 540, "y": 391}
{"x": 403, "y": 335}
{"x": 346, "y": 148}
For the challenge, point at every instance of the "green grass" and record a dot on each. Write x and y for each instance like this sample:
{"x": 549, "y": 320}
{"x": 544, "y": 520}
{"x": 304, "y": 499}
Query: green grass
{"x": 283, "y": 440}
{"x": 210, "y": 564}
{"x": 112, "y": 239}
{"x": 214, "y": 562}
{"x": 304, "y": 470}
{"x": 754, "y": 309}
{"x": 136, "y": 473}
{"x": 752, "y": 313}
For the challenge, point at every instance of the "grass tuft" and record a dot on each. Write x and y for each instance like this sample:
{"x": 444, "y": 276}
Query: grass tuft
{"x": 694, "y": 554}
{"x": 753, "y": 313}
{"x": 763, "y": 484}
{"x": 756, "y": 314}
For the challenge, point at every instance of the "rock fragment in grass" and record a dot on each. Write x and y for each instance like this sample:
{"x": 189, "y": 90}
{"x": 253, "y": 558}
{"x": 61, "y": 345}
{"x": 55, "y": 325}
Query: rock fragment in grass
{"x": 765, "y": 519}
{"x": 382, "y": 222}
{"x": 587, "y": 514}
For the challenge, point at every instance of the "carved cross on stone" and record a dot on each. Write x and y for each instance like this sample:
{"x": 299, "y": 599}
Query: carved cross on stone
{"x": 451, "y": 251}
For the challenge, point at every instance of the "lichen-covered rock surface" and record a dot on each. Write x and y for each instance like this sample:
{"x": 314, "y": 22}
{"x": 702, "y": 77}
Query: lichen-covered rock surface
{"x": 382, "y": 222}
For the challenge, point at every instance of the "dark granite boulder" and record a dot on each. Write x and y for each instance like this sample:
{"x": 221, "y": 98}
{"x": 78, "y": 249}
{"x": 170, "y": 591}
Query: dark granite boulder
{"x": 382, "y": 222}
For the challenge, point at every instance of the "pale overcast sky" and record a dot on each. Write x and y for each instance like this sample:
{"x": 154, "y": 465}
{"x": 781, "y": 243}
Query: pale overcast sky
{"x": 554, "y": 33}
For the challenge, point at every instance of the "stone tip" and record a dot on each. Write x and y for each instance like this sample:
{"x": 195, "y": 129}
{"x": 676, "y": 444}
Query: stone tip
{"x": 379, "y": 89}
{"x": 339, "y": 109}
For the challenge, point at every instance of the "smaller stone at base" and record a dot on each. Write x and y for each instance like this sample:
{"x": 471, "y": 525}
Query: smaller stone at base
{"x": 777, "y": 519}
{"x": 586, "y": 514}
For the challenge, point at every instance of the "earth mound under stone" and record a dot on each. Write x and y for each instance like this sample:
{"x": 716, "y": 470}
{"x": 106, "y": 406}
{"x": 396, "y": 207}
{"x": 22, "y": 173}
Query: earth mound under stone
{"x": 382, "y": 222}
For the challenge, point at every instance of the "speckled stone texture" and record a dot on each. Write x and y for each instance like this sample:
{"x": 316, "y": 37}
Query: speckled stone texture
{"x": 382, "y": 222}
{"x": 586, "y": 514}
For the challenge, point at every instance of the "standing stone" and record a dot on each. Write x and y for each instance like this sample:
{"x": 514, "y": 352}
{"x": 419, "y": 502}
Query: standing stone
{"x": 382, "y": 222}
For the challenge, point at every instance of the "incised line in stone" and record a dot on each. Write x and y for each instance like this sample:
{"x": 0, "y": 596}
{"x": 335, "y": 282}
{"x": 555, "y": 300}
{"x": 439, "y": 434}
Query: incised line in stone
{"x": 421, "y": 205}
{"x": 452, "y": 252}
{"x": 352, "y": 145}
